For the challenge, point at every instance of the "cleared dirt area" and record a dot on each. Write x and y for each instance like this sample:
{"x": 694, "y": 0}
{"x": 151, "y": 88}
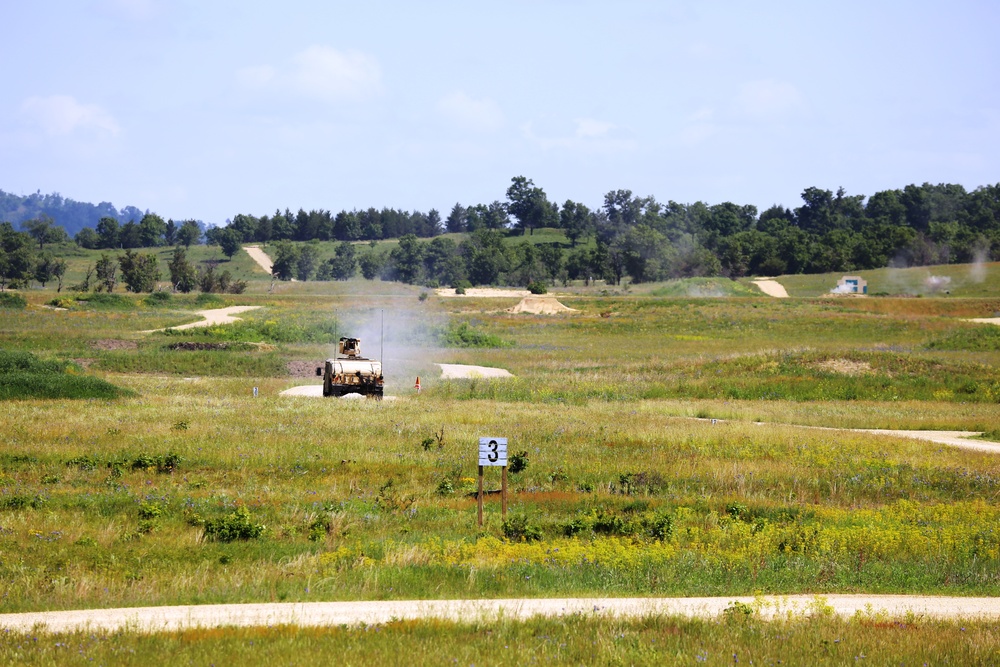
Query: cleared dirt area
{"x": 771, "y": 287}
{"x": 158, "y": 619}
{"x": 986, "y": 320}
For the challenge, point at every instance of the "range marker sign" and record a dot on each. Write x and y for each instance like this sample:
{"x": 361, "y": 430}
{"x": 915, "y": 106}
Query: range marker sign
{"x": 493, "y": 451}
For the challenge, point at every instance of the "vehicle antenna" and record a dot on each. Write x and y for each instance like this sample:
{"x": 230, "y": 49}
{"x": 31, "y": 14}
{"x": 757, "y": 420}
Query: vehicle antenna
{"x": 381, "y": 337}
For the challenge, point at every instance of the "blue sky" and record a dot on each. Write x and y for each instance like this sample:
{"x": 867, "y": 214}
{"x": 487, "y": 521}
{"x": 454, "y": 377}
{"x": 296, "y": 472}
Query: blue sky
{"x": 208, "y": 109}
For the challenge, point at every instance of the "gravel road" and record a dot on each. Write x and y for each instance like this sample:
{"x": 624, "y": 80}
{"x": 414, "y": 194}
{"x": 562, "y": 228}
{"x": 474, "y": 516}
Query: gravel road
{"x": 153, "y": 619}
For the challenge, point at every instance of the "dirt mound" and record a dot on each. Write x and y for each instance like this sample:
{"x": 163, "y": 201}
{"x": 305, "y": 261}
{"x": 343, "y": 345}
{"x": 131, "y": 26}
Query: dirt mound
{"x": 226, "y": 345}
{"x": 114, "y": 344}
{"x": 540, "y": 305}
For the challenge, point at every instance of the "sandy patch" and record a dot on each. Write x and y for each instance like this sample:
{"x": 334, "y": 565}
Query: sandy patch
{"x": 463, "y": 372}
{"x": 312, "y": 614}
{"x": 541, "y": 305}
{"x": 846, "y": 367}
{"x": 771, "y": 287}
{"x": 212, "y": 316}
{"x": 484, "y": 292}
{"x": 985, "y": 320}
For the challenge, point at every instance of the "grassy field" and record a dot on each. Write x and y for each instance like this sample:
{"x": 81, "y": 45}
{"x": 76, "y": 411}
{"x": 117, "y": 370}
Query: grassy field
{"x": 187, "y": 489}
{"x": 736, "y": 639}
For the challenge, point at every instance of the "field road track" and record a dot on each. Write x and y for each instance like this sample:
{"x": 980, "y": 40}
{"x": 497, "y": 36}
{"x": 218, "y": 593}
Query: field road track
{"x": 771, "y": 287}
{"x": 985, "y": 320}
{"x": 158, "y": 619}
{"x": 212, "y": 316}
{"x": 259, "y": 256}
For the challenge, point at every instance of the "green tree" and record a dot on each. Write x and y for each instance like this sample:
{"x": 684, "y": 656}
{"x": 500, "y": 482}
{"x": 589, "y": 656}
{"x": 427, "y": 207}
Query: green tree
{"x": 189, "y": 233}
{"x": 87, "y": 238}
{"x": 152, "y": 229}
{"x": 286, "y": 256}
{"x": 529, "y": 205}
{"x": 371, "y": 263}
{"x": 182, "y": 273}
{"x": 43, "y": 231}
{"x": 230, "y": 240}
{"x": 17, "y": 258}
{"x": 107, "y": 273}
{"x": 576, "y": 221}
{"x": 345, "y": 261}
{"x": 456, "y": 219}
{"x": 59, "y": 272}
{"x": 485, "y": 256}
{"x": 43, "y": 268}
{"x": 170, "y": 233}
{"x": 107, "y": 232}
{"x": 407, "y": 259}
{"x": 129, "y": 236}
{"x": 139, "y": 271}
{"x": 305, "y": 264}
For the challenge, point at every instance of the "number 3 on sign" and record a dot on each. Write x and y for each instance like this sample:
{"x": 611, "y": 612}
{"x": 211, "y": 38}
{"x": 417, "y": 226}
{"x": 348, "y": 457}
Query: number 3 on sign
{"x": 493, "y": 451}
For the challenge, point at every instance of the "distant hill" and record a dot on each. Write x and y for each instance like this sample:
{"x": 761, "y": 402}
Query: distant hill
{"x": 67, "y": 213}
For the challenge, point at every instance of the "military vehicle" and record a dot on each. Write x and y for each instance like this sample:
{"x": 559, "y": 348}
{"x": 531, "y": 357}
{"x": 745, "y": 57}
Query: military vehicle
{"x": 350, "y": 373}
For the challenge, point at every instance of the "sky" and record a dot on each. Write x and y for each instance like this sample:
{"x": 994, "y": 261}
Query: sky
{"x": 211, "y": 108}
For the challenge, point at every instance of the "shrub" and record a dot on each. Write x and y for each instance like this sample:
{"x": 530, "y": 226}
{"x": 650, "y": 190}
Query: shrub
{"x": 537, "y": 287}
{"x": 232, "y": 527}
{"x": 12, "y": 301}
{"x": 518, "y": 462}
{"x": 158, "y": 299}
{"x": 22, "y": 376}
{"x": 106, "y": 301}
{"x": 463, "y": 335}
{"x": 517, "y": 529}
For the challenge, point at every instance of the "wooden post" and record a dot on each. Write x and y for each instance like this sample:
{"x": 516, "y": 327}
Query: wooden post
{"x": 503, "y": 492}
{"x": 480, "y": 496}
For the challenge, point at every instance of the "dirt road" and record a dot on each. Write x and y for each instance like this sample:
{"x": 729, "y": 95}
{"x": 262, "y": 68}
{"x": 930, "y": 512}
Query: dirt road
{"x": 212, "y": 316}
{"x": 771, "y": 287}
{"x": 259, "y": 256}
{"x": 153, "y": 619}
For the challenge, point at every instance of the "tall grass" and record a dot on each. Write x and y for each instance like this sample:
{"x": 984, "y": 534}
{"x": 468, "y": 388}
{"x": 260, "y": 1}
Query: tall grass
{"x": 738, "y": 637}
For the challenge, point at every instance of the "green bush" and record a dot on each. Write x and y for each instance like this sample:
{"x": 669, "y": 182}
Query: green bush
{"x": 537, "y": 287}
{"x": 517, "y": 529}
{"x": 232, "y": 527}
{"x": 463, "y": 335}
{"x": 518, "y": 462}
{"x": 101, "y": 300}
{"x": 158, "y": 299}
{"x": 13, "y": 301}
{"x": 985, "y": 338}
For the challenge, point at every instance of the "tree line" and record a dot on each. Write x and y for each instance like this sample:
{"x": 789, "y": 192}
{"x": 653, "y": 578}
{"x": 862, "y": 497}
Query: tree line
{"x": 626, "y": 236}
{"x": 642, "y": 239}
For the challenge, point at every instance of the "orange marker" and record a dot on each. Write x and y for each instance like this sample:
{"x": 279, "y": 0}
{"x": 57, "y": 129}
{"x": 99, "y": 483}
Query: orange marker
{"x": 417, "y": 385}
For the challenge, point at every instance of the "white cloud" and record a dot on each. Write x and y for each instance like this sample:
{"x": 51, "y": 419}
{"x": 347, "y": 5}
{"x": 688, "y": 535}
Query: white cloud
{"x": 590, "y": 128}
{"x": 323, "y": 72}
{"x": 319, "y": 72}
{"x": 482, "y": 115}
{"x": 768, "y": 99}
{"x": 590, "y": 136}
{"x": 63, "y": 115}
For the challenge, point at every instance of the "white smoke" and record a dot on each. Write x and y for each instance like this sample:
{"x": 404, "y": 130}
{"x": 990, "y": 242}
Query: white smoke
{"x": 843, "y": 289}
{"x": 935, "y": 284}
{"x": 977, "y": 272}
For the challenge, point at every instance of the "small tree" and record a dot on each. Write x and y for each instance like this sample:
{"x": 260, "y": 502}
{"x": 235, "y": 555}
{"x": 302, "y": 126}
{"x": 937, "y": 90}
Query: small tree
{"x": 189, "y": 233}
{"x": 58, "y": 272}
{"x": 182, "y": 273}
{"x": 139, "y": 271}
{"x": 305, "y": 265}
{"x": 43, "y": 268}
{"x": 107, "y": 273}
{"x": 371, "y": 263}
{"x": 286, "y": 256}
{"x": 230, "y": 241}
